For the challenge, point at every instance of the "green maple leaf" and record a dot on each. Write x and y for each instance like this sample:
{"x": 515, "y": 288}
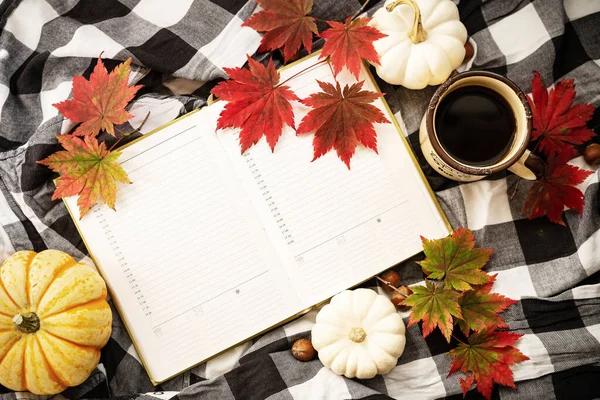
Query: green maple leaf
{"x": 486, "y": 359}
{"x": 435, "y": 306}
{"x": 86, "y": 169}
{"x": 455, "y": 260}
{"x": 480, "y": 308}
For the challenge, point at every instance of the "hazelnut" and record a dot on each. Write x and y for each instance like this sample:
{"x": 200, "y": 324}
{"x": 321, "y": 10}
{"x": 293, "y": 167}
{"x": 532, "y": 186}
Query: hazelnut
{"x": 392, "y": 277}
{"x": 469, "y": 51}
{"x": 398, "y": 296}
{"x": 303, "y": 350}
{"x": 591, "y": 154}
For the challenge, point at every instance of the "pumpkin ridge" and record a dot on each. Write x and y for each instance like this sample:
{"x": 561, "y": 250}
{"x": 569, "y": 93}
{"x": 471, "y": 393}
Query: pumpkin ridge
{"x": 69, "y": 341}
{"x": 25, "y": 338}
{"x": 435, "y": 35}
{"x": 51, "y": 371}
{"x": 59, "y": 272}
{"x": 88, "y": 303}
{"x": 23, "y": 378}
{"x": 427, "y": 63}
{"x": 27, "y": 269}
{"x": 406, "y": 59}
{"x": 8, "y": 294}
{"x": 368, "y": 318}
{"x": 10, "y": 348}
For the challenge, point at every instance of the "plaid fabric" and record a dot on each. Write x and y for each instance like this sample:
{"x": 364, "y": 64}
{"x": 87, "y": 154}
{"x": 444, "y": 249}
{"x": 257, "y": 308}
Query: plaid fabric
{"x": 179, "y": 50}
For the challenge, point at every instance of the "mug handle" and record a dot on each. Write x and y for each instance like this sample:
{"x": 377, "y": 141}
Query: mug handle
{"x": 529, "y": 166}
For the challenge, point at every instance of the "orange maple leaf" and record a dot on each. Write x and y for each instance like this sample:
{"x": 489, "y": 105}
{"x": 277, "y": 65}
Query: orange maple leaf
{"x": 486, "y": 359}
{"x": 87, "y": 169}
{"x": 480, "y": 308}
{"x": 99, "y": 103}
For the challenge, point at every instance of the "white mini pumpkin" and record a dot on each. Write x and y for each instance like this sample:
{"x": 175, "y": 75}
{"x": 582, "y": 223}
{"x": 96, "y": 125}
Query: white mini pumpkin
{"x": 424, "y": 44}
{"x": 359, "y": 334}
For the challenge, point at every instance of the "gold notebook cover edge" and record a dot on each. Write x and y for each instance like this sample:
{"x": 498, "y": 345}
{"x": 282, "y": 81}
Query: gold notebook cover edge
{"x": 302, "y": 312}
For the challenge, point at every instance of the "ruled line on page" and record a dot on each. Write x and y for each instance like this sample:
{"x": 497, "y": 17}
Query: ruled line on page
{"x": 349, "y": 229}
{"x": 166, "y": 154}
{"x": 158, "y": 144}
{"x": 212, "y": 298}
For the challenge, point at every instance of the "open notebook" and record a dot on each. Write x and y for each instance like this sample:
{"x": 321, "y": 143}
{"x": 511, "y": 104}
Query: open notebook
{"x": 209, "y": 247}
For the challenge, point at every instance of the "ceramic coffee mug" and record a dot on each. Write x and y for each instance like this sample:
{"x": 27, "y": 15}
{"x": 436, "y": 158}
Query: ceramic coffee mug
{"x": 517, "y": 158}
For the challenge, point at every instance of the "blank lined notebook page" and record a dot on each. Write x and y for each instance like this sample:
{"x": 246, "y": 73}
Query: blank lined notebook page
{"x": 185, "y": 254}
{"x": 331, "y": 226}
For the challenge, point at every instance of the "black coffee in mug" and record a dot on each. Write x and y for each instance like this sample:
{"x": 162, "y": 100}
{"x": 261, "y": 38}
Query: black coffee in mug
{"x": 475, "y": 125}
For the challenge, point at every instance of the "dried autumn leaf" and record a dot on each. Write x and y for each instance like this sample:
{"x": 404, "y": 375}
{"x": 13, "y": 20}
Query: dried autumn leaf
{"x": 342, "y": 118}
{"x": 256, "y": 103}
{"x": 435, "y": 306}
{"x": 455, "y": 260}
{"x": 556, "y": 121}
{"x": 99, "y": 103}
{"x": 480, "y": 308}
{"x": 486, "y": 359}
{"x": 556, "y": 190}
{"x": 347, "y": 43}
{"x": 286, "y": 24}
{"x": 86, "y": 169}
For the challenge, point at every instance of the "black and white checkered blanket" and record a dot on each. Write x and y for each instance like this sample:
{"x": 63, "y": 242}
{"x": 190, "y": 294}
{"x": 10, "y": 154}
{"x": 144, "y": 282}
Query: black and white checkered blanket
{"x": 179, "y": 49}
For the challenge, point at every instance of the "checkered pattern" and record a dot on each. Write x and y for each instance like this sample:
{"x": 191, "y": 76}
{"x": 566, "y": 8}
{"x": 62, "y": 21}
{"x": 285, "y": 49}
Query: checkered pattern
{"x": 179, "y": 49}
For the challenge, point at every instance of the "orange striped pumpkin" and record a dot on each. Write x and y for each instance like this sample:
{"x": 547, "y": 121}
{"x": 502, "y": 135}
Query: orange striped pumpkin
{"x": 54, "y": 319}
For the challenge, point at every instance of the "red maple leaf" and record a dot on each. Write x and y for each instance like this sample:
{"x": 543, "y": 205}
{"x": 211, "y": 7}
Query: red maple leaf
{"x": 346, "y": 43}
{"x": 556, "y": 121}
{"x": 100, "y": 102}
{"x": 87, "y": 169}
{"x": 480, "y": 308}
{"x": 341, "y": 118}
{"x": 256, "y": 103}
{"x": 286, "y": 24}
{"x": 556, "y": 190}
{"x": 486, "y": 359}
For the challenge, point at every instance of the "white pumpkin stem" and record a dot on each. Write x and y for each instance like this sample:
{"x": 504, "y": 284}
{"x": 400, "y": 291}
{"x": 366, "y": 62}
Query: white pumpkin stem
{"x": 357, "y": 334}
{"x": 417, "y": 34}
{"x": 28, "y": 322}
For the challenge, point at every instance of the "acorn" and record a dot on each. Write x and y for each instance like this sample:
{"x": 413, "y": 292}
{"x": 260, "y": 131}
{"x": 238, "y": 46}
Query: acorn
{"x": 399, "y": 295}
{"x": 591, "y": 154}
{"x": 303, "y": 350}
{"x": 469, "y": 51}
{"x": 391, "y": 277}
